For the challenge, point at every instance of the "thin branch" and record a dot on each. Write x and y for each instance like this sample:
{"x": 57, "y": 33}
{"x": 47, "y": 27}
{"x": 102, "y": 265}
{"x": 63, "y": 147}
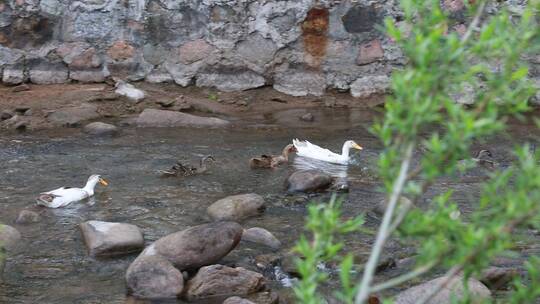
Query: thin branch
{"x": 382, "y": 235}
{"x": 403, "y": 278}
{"x": 475, "y": 22}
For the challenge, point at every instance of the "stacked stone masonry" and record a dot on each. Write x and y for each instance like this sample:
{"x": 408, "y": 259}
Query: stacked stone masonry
{"x": 300, "y": 47}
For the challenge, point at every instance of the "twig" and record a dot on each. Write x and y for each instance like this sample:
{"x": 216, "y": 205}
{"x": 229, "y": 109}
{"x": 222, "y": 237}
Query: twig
{"x": 403, "y": 278}
{"x": 382, "y": 235}
{"x": 475, "y": 22}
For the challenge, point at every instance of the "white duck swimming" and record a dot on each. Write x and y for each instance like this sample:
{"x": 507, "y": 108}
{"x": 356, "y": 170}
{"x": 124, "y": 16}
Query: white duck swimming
{"x": 307, "y": 149}
{"x": 66, "y": 195}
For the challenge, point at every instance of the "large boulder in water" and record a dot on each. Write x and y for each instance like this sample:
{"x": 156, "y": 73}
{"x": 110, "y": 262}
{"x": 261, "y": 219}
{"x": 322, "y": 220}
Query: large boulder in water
{"x": 198, "y": 246}
{"x": 236, "y": 207}
{"x": 309, "y": 181}
{"x": 152, "y": 276}
{"x": 111, "y": 239}
{"x": 454, "y": 289}
{"x": 163, "y": 118}
{"x": 221, "y": 281}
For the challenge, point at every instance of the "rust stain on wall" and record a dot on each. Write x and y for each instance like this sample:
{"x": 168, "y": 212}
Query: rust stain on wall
{"x": 315, "y": 35}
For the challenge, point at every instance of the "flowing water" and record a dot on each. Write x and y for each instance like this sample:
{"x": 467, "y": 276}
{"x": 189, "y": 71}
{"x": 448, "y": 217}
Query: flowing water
{"x": 52, "y": 266}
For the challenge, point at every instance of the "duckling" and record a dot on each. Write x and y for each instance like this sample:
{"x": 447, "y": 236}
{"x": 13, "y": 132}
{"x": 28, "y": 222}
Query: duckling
{"x": 272, "y": 161}
{"x": 481, "y": 156}
{"x": 180, "y": 169}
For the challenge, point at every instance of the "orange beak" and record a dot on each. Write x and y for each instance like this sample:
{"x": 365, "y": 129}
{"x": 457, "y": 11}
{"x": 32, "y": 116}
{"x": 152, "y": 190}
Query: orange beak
{"x": 103, "y": 182}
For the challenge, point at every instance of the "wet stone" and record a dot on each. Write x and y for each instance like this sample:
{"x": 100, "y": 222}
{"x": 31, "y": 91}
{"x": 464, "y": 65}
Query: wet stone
{"x": 9, "y": 237}
{"x": 111, "y": 239}
{"x": 26, "y": 217}
{"x": 100, "y": 128}
{"x": 219, "y": 280}
{"x": 153, "y": 277}
{"x": 197, "y": 246}
{"x": 309, "y": 181}
{"x": 236, "y": 207}
{"x": 261, "y": 236}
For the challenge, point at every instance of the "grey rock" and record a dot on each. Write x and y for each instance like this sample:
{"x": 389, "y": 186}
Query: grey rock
{"x": 152, "y": 276}
{"x": 230, "y": 81}
{"x": 88, "y": 76}
{"x": 111, "y": 239}
{"x": 48, "y": 73}
{"x": 13, "y": 75}
{"x": 368, "y": 86}
{"x": 453, "y": 289}
{"x": 26, "y": 217}
{"x": 261, "y": 236}
{"x": 72, "y": 116}
{"x": 308, "y": 181}
{"x": 300, "y": 83}
{"x": 219, "y": 280}
{"x": 236, "y": 207}
{"x": 163, "y": 118}
{"x": 100, "y": 128}
{"x": 197, "y": 246}
{"x": 257, "y": 49}
{"x": 9, "y": 237}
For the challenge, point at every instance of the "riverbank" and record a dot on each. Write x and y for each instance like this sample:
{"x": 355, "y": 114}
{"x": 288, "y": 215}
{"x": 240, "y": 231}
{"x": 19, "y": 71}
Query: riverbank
{"x": 38, "y": 107}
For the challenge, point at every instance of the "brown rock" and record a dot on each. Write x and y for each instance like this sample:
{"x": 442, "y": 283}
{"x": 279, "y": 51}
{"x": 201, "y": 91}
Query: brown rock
{"x": 162, "y": 118}
{"x": 198, "y": 246}
{"x": 221, "y": 281}
{"x": 370, "y": 52}
{"x": 237, "y": 300}
{"x": 152, "y": 276}
{"x": 87, "y": 59}
{"x": 308, "y": 181}
{"x": 121, "y": 50}
{"x": 453, "y": 5}
{"x": 27, "y": 217}
{"x": 496, "y": 278}
{"x": 236, "y": 207}
{"x": 194, "y": 51}
{"x": 20, "y": 88}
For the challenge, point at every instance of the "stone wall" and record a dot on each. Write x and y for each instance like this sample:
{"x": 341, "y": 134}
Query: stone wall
{"x": 299, "y": 47}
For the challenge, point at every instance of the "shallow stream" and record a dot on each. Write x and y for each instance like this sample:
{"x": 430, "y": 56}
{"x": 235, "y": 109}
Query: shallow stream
{"x": 52, "y": 265}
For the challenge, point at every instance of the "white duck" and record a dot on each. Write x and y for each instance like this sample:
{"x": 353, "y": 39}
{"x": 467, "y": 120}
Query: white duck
{"x": 307, "y": 149}
{"x": 64, "y": 196}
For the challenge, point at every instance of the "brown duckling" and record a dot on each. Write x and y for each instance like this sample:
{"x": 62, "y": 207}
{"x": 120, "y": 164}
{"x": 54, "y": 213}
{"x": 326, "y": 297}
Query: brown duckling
{"x": 180, "y": 169}
{"x": 272, "y": 161}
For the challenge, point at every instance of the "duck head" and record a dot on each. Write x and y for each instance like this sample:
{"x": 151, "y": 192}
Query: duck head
{"x": 350, "y": 144}
{"x": 94, "y": 179}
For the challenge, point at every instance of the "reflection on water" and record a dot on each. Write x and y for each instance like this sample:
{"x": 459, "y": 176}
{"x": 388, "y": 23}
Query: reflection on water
{"x": 52, "y": 266}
